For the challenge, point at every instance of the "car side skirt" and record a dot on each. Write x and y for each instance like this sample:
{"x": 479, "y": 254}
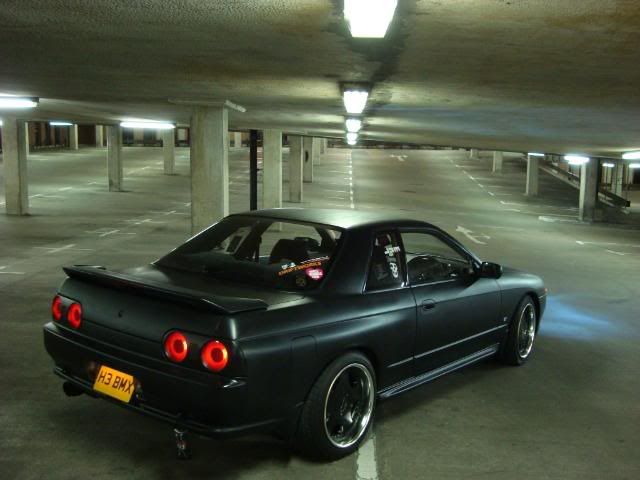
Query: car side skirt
{"x": 416, "y": 381}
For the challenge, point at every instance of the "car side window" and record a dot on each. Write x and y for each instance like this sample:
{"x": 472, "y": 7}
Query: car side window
{"x": 385, "y": 267}
{"x": 431, "y": 259}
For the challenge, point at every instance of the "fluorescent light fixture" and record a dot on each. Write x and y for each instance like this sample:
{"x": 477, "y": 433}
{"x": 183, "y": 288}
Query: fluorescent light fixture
{"x": 634, "y": 165}
{"x": 0, "y": 122}
{"x": 534, "y": 154}
{"x": 576, "y": 159}
{"x": 353, "y": 124}
{"x": 355, "y": 100}
{"x": 631, "y": 156}
{"x": 369, "y": 18}
{"x": 7, "y": 101}
{"x": 60, "y": 124}
{"x": 147, "y": 124}
{"x": 352, "y": 137}
{"x": 608, "y": 165}
{"x": 351, "y": 142}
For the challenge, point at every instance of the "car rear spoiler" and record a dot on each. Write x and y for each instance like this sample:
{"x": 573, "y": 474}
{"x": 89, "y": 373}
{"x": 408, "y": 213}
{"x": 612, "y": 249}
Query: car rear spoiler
{"x": 194, "y": 298}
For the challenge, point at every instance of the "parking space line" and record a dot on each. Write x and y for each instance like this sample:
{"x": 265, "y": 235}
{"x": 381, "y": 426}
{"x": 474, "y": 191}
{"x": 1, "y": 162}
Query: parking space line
{"x": 366, "y": 461}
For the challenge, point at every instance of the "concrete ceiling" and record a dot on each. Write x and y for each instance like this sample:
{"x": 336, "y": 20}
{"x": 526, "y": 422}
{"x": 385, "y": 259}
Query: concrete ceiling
{"x": 544, "y": 75}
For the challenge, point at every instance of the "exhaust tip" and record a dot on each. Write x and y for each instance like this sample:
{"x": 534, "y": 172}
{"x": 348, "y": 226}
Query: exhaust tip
{"x": 71, "y": 390}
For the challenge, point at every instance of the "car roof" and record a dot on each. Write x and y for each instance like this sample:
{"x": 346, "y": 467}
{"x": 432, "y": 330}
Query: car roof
{"x": 341, "y": 218}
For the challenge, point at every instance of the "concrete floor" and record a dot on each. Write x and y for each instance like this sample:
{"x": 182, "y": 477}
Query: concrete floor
{"x": 571, "y": 413}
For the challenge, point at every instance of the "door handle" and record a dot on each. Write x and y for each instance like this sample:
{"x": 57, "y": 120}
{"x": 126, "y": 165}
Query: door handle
{"x": 427, "y": 305}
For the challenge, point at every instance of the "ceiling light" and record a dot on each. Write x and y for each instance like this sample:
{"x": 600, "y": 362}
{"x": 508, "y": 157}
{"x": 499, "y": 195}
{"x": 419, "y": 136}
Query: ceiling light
{"x": 353, "y": 124}
{"x": 147, "y": 124}
{"x": 18, "y": 102}
{"x": 576, "y": 159}
{"x": 351, "y": 142}
{"x": 631, "y": 156}
{"x": 352, "y": 137}
{"x": 355, "y": 100}
{"x": 369, "y": 18}
{"x": 634, "y": 165}
{"x": 60, "y": 124}
{"x": 608, "y": 165}
{"x": 534, "y": 154}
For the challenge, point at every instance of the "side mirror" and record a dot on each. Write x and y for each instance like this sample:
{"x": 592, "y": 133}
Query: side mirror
{"x": 490, "y": 270}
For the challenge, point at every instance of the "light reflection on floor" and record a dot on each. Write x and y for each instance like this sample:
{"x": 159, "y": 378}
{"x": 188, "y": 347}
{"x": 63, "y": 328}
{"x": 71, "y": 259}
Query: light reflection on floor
{"x": 563, "y": 319}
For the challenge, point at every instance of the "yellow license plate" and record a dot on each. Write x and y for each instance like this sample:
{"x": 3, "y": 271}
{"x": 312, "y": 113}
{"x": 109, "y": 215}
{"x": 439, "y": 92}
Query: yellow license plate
{"x": 114, "y": 383}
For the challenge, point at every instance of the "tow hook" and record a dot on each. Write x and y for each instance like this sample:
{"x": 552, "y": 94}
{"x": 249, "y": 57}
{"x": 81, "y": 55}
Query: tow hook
{"x": 183, "y": 449}
{"x": 71, "y": 390}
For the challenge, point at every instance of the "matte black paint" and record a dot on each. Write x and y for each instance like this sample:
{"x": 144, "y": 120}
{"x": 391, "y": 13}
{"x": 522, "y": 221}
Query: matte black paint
{"x": 279, "y": 341}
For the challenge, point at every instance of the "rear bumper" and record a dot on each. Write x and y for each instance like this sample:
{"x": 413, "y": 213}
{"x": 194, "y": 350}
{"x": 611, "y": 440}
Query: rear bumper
{"x": 205, "y": 403}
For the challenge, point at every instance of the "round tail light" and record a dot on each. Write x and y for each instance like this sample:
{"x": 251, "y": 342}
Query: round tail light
{"x": 74, "y": 315}
{"x": 56, "y": 308}
{"x": 214, "y": 356}
{"x": 176, "y": 347}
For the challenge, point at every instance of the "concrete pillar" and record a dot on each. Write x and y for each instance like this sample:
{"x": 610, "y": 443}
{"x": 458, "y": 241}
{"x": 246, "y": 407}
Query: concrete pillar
{"x": 52, "y": 131}
{"x": 14, "y": 153}
{"x": 169, "y": 150}
{"x": 272, "y": 169}
{"x": 588, "y": 190}
{"x": 209, "y": 166}
{"x": 617, "y": 178}
{"x": 497, "y": 162}
{"x": 315, "y": 150}
{"x": 532, "y": 176}
{"x": 295, "y": 169}
{"x": 307, "y": 157}
{"x": 323, "y": 146}
{"x": 237, "y": 139}
{"x": 26, "y": 138}
{"x": 73, "y": 137}
{"x": 138, "y": 136}
{"x": 474, "y": 154}
{"x": 114, "y": 157}
{"x": 99, "y": 136}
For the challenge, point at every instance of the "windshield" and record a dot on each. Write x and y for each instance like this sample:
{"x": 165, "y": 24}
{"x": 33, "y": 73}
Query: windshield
{"x": 268, "y": 252}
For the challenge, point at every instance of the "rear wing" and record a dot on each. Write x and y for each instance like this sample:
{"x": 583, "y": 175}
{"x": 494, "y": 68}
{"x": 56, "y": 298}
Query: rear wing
{"x": 118, "y": 281}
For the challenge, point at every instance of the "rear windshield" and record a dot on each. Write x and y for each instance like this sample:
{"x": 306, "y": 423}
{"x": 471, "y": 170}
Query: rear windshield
{"x": 266, "y": 252}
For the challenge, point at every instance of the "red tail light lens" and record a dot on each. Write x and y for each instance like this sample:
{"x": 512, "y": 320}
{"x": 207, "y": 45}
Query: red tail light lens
{"x": 176, "y": 347}
{"x": 56, "y": 308}
{"x": 214, "y": 356}
{"x": 74, "y": 315}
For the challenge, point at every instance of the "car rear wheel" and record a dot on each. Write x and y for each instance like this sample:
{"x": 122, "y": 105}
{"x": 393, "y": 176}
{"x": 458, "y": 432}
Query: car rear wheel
{"x": 522, "y": 333}
{"x": 339, "y": 410}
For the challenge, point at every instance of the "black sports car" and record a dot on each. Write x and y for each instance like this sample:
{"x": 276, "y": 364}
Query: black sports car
{"x": 289, "y": 321}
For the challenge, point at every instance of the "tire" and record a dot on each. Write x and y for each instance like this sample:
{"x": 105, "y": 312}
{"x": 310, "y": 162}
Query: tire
{"x": 345, "y": 391}
{"x": 518, "y": 345}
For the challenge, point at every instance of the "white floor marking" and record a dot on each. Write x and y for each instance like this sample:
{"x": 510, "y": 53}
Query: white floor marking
{"x": 491, "y": 193}
{"x": 367, "y": 464}
{"x": 136, "y": 221}
{"x": 2, "y": 272}
{"x": 536, "y": 205}
{"x": 170, "y": 212}
{"x": 105, "y": 232}
{"x": 64, "y": 189}
{"x": 608, "y": 244}
{"x": 474, "y": 238}
{"x": 71, "y": 246}
{"x": 616, "y": 253}
{"x": 549, "y": 219}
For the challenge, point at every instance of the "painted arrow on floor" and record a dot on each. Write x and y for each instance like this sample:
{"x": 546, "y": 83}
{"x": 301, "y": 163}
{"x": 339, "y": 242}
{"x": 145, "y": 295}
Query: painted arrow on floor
{"x": 474, "y": 238}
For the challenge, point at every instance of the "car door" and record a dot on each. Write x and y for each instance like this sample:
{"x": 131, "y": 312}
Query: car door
{"x": 458, "y": 312}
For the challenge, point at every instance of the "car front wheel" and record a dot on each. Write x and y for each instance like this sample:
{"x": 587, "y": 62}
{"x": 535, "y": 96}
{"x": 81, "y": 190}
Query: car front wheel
{"x": 339, "y": 409}
{"x": 522, "y": 333}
